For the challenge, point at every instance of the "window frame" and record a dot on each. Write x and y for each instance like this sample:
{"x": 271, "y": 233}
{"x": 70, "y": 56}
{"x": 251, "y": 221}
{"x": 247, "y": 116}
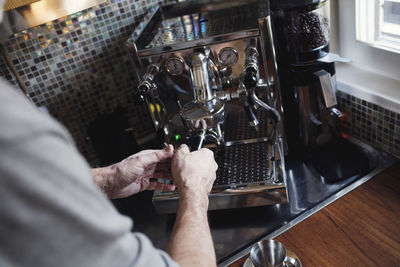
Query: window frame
{"x": 370, "y": 31}
{"x": 361, "y": 54}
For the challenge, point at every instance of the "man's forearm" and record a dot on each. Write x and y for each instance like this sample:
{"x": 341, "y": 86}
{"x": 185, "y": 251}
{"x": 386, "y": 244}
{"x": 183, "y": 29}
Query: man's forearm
{"x": 103, "y": 177}
{"x": 190, "y": 243}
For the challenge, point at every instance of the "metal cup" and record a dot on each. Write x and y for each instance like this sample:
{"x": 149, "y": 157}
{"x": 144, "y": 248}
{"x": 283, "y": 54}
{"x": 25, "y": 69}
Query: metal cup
{"x": 268, "y": 253}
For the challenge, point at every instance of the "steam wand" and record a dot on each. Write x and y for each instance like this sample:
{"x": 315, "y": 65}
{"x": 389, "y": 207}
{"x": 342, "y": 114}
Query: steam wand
{"x": 250, "y": 81}
{"x": 252, "y": 102}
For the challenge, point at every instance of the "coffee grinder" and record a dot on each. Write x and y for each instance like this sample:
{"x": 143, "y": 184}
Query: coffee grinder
{"x": 307, "y": 73}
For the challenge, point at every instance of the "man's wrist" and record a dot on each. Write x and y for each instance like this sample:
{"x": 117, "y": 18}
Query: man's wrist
{"x": 103, "y": 177}
{"x": 194, "y": 199}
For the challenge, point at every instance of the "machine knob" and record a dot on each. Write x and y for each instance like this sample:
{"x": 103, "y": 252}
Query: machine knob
{"x": 140, "y": 96}
{"x": 250, "y": 78}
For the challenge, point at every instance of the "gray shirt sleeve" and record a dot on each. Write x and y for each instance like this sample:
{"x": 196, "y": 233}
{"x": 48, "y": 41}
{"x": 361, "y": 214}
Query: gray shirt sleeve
{"x": 51, "y": 212}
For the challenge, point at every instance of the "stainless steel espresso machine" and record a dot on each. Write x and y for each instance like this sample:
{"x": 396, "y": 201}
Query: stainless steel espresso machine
{"x": 208, "y": 77}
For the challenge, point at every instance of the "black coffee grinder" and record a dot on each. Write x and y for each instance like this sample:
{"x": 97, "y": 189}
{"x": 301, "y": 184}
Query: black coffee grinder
{"x": 307, "y": 75}
{"x": 307, "y": 78}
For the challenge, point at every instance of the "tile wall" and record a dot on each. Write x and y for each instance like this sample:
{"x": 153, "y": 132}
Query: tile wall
{"x": 371, "y": 123}
{"x": 78, "y": 67}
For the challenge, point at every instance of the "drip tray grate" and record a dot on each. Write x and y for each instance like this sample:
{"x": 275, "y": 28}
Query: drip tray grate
{"x": 242, "y": 164}
{"x": 236, "y": 126}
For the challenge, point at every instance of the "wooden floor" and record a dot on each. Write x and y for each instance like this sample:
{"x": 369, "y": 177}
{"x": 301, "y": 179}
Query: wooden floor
{"x": 360, "y": 229}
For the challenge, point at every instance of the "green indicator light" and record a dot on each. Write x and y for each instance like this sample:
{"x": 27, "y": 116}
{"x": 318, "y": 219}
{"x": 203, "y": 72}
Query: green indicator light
{"x": 177, "y": 137}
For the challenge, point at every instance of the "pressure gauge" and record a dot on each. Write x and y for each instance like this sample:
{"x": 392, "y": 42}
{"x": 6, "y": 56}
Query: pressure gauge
{"x": 174, "y": 66}
{"x": 228, "y": 56}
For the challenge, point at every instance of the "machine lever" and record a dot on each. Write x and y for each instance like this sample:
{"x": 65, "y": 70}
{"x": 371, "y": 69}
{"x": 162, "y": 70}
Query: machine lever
{"x": 328, "y": 88}
{"x": 251, "y": 116}
{"x": 250, "y": 78}
{"x": 147, "y": 82}
{"x": 252, "y": 104}
{"x": 198, "y": 141}
{"x": 142, "y": 92}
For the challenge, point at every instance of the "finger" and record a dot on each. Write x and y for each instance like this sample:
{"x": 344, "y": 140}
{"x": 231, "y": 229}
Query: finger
{"x": 161, "y": 187}
{"x": 151, "y": 186}
{"x": 143, "y": 152}
{"x": 162, "y": 175}
{"x": 165, "y": 187}
{"x": 215, "y": 166}
{"x": 168, "y": 149}
{"x": 157, "y": 156}
{"x": 163, "y": 167}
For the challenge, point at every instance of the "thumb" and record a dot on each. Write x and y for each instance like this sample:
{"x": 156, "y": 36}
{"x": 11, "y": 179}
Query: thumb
{"x": 182, "y": 151}
{"x": 166, "y": 153}
{"x": 169, "y": 148}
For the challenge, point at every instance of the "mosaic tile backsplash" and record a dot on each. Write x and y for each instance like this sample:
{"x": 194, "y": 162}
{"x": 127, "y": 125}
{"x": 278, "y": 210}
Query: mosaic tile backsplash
{"x": 78, "y": 67}
{"x": 371, "y": 123}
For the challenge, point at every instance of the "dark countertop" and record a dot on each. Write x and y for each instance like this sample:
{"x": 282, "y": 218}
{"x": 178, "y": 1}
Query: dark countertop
{"x": 235, "y": 231}
{"x": 360, "y": 229}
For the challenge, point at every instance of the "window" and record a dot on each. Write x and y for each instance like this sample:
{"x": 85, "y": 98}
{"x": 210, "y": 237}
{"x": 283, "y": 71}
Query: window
{"x": 378, "y": 23}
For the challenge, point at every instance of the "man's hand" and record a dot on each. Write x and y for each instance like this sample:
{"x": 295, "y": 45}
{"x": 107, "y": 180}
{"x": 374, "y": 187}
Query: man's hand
{"x": 193, "y": 172}
{"x": 133, "y": 174}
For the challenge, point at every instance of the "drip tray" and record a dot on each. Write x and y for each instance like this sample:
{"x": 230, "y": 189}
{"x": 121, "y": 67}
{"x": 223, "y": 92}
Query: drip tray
{"x": 243, "y": 180}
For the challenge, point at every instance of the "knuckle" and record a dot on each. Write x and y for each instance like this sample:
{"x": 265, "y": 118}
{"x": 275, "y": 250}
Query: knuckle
{"x": 206, "y": 150}
{"x": 203, "y": 150}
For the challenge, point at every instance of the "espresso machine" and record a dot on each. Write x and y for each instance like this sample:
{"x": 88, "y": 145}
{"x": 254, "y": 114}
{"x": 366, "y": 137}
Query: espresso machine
{"x": 307, "y": 73}
{"x": 208, "y": 76}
